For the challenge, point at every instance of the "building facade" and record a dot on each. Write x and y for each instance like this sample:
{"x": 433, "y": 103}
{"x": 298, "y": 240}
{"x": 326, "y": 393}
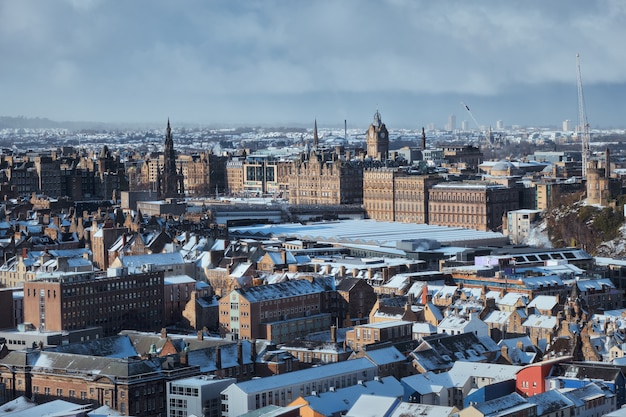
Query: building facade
{"x": 279, "y": 312}
{"x": 323, "y": 178}
{"x": 115, "y": 302}
{"x": 391, "y": 194}
{"x": 477, "y": 205}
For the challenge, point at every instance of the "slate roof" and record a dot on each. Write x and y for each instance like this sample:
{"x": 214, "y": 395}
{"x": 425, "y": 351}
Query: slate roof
{"x": 439, "y": 352}
{"x": 507, "y": 404}
{"x": 341, "y": 400}
{"x": 423, "y": 410}
{"x": 550, "y": 401}
{"x": 286, "y": 289}
{"x": 93, "y": 366}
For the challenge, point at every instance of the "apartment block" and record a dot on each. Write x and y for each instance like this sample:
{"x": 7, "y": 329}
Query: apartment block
{"x": 279, "y": 312}
{"x": 113, "y": 300}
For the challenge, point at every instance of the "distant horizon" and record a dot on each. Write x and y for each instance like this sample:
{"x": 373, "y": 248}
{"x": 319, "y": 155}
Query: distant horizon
{"x": 96, "y": 124}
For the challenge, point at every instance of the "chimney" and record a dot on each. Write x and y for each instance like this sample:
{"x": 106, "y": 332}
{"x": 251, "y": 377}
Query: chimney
{"x": 240, "y": 352}
{"x": 24, "y": 252}
{"x": 607, "y": 163}
{"x": 183, "y": 356}
{"x": 333, "y": 334}
{"x": 283, "y": 255}
{"x": 424, "y": 294}
{"x": 218, "y": 357}
{"x": 253, "y": 351}
{"x": 200, "y": 335}
{"x": 163, "y": 333}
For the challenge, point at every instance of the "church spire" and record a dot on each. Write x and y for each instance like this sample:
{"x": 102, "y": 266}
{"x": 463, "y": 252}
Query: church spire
{"x": 315, "y": 137}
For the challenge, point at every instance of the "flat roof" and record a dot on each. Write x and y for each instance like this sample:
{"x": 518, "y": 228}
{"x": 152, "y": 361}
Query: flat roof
{"x": 369, "y": 232}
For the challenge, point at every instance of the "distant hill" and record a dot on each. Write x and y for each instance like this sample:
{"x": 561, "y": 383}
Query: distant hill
{"x": 21, "y": 122}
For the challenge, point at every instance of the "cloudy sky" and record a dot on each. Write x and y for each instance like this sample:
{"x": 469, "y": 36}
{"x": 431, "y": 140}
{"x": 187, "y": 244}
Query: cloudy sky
{"x": 289, "y": 62}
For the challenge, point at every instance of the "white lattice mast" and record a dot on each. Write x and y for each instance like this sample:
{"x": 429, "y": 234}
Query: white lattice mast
{"x": 583, "y": 125}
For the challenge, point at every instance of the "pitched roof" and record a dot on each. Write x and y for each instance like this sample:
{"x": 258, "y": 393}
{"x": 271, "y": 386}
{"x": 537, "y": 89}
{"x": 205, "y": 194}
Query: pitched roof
{"x": 286, "y": 289}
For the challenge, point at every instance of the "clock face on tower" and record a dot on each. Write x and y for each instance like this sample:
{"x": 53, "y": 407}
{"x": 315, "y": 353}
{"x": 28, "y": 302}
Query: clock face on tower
{"x": 382, "y": 135}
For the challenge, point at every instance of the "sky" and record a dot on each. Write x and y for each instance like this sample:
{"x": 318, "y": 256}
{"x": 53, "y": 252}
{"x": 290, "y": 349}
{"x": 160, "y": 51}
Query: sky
{"x": 291, "y": 62}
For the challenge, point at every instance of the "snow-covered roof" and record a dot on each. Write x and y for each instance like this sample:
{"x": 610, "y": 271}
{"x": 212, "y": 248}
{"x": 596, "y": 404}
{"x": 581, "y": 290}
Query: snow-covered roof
{"x": 541, "y": 321}
{"x": 498, "y": 317}
{"x": 423, "y": 410}
{"x": 372, "y": 232}
{"x": 385, "y": 356}
{"x": 313, "y": 374}
{"x": 178, "y": 279}
{"x": 372, "y": 405}
{"x": 544, "y": 302}
{"x": 506, "y": 405}
{"x": 285, "y": 289}
{"x": 512, "y": 298}
{"x": 159, "y": 259}
{"x": 339, "y": 401}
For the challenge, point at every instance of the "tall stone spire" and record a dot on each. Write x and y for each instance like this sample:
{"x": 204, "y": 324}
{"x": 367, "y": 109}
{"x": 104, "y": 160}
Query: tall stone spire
{"x": 171, "y": 180}
{"x": 315, "y": 137}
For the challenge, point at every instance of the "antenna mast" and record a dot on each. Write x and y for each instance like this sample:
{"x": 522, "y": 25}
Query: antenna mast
{"x": 583, "y": 125}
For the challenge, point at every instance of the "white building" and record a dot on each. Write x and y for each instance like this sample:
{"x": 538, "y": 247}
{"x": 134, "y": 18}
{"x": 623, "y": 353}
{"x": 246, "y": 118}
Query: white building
{"x": 519, "y": 223}
{"x": 196, "y": 396}
{"x": 282, "y": 389}
{"x": 454, "y": 324}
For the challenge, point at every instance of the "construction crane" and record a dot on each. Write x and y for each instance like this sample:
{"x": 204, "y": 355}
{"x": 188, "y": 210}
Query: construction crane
{"x": 583, "y": 125}
{"x": 471, "y": 115}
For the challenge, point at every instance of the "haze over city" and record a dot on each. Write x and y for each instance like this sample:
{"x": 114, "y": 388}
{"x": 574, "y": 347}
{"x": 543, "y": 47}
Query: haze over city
{"x": 287, "y": 63}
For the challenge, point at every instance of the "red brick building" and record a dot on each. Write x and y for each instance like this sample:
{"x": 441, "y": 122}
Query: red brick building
{"x": 76, "y": 301}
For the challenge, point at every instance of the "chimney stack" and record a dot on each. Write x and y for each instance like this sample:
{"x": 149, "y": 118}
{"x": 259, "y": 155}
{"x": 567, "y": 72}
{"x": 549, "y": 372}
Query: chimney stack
{"x": 240, "y": 352}
{"x": 218, "y": 357}
{"x": 163, "y": 333}
{"x": 333, "y": 334}
{"x": 253, "y": 351}
{"x": 200, "y": 335}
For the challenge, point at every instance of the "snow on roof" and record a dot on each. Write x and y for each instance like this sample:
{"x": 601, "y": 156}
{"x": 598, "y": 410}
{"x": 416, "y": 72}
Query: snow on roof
{"x": 462, "y": 370}
{"x": 498, "y": 317}
{"x": 372, "y": 405}
{"x": 161, "y": 259}
{"x": 452, "y": 322}
{"x": 422, "y": 410}
{"x": 178, "y": 279}
{"x": 545, "y": 280}
{"x": 543, "y": 302}
{"x": 366, "y": 232}
{"x": 428, "y": 383}
{"x": 240, "y": 269}
{"x": 505, "y": 405}
{"x": 594, "y": 284}
{"x": 512, "y": 298}
{"x": 301, "y": 376}
{"x": 541, "y": 321}
{"x": 23, "y": 407}
{"x": 385, "y": 356}
{"x": 496, "y": 295}
{"x": 424, "y": 328}
{"x": 285, "y": 289}
{"x": 339, "y": 401}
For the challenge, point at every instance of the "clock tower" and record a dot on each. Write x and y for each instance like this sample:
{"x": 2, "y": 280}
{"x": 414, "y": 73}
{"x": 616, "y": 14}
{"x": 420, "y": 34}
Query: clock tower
{"x": 378, "y": 139}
